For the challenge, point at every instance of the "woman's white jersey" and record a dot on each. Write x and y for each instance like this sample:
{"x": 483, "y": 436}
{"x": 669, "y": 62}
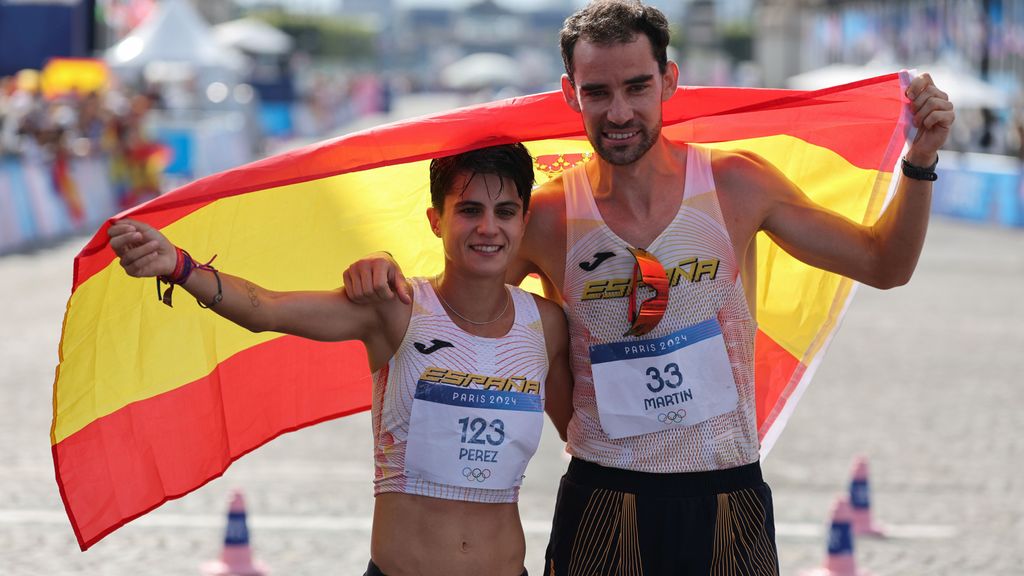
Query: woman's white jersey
{"x": 681, "y": 398}
{"x": 457, "y": 416}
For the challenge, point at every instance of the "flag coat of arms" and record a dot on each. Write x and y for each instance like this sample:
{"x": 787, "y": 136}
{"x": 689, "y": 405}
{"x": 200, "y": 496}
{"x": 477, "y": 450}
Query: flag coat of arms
{"x": 152, "y": 402}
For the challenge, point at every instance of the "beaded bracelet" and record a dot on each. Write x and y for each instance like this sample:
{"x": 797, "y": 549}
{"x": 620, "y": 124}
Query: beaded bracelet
{"x": 183, "y": 267}
{"x": 219, "y": 295}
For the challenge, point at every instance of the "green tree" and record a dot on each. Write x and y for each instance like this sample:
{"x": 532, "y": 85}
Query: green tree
{"x": 326, "y": 37}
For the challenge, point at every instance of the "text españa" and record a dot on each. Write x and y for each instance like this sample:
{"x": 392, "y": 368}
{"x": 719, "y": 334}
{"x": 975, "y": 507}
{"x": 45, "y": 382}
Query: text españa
{"x": 465, "y": 379}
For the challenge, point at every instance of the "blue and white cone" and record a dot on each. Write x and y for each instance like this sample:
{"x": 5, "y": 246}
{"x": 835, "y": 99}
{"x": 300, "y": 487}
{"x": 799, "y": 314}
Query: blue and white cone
{"x": 236, "y": 557}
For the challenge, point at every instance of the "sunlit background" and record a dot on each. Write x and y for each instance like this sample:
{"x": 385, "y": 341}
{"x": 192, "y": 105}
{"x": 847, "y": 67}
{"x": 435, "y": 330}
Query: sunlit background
{"x": 115, "y": 101}
{"x": 105, "y": 104}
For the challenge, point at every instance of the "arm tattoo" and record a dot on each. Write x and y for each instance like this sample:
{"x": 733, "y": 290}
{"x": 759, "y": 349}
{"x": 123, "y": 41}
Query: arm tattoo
{"x": 254, "y": 298}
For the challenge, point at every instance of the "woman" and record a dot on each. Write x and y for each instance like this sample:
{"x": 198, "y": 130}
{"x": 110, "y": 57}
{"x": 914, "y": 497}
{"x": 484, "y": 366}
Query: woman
{"x": 460, "y": 375}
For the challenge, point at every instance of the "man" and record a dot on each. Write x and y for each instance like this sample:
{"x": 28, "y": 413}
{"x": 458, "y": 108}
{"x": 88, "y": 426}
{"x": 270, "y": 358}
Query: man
{"x": 460, "y": 378}
{"x": 665, "y": 477}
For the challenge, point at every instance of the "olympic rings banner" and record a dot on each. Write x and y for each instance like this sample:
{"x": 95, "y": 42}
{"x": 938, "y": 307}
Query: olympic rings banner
{"x": 152, "y": 402}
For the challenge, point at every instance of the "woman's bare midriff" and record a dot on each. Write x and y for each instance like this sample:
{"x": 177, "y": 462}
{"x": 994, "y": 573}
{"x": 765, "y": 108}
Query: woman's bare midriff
{"x": 423, "y": 536}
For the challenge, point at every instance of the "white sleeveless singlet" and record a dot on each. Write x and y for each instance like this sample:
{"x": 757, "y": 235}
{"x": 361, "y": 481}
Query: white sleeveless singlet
{"x": 706, "y": 289}
{"x": 437, "y": 357}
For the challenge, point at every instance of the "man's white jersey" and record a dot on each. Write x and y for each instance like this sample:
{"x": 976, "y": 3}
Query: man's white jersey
{"x": 706, "y": 298}
{"x": 474, "y": 405}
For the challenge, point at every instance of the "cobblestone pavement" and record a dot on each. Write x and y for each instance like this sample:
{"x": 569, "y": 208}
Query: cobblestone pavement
{"x": 925, "y": 380}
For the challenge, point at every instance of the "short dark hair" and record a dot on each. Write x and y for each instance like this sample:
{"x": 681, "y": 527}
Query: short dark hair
{"x": 607, "y": 22}
{"x": 510, "y": 161}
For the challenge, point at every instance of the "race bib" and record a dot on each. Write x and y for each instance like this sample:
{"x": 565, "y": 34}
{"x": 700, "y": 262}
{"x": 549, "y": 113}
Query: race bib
{"x": 472, "y": 438}
{"x": 677, "y": 380}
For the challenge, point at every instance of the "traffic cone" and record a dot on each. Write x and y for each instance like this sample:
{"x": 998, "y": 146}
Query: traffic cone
{"x": 840, "y": 561}
{"x": 236, "y": 557}
{"x": 860, "y": 500}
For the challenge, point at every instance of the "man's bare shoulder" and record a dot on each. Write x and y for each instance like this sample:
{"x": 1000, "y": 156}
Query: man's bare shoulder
{"x": 746, "y": 180}
{"x": 547, "y": 213}
{"x": 739, "y": 169}
{"x": 548, "y": 200}
{"x": 543, "y": 247}
{"x": 548, "y": 307}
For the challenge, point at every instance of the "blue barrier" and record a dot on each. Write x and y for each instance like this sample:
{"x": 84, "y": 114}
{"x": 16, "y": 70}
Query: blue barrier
{"x": 276, "y": 119}
{"x": 32, "y": 210}
{"x": 16, "y": 221}
{"x": 180, "y": 143}
{"x": 202, "y": 143}
{"x": 99, "y": 197}
{"x": 50, "y": 210}
{"x": 981, "y": 188}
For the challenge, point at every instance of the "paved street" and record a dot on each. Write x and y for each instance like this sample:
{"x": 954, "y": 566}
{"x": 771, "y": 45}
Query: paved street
{"x": 925, "y": 380}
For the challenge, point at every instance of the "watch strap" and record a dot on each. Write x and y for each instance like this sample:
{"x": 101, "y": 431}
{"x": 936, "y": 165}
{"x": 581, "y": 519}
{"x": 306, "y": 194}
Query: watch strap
{"x": 919, "y": 172}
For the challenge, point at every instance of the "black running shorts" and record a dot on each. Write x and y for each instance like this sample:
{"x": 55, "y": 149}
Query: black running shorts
{"x": 618, "y": 522}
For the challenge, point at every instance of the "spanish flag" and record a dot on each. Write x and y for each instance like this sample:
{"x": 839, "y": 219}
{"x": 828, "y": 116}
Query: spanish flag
{"x": 151, "y": 402}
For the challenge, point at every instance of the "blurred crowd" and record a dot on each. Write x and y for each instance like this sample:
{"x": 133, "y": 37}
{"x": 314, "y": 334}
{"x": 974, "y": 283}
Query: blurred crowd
{"x": 989, "y": 131}
{"x": 107, "y": 125}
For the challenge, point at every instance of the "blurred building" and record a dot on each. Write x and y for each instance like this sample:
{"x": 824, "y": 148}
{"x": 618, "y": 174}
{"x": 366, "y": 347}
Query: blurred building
{"x": 427, "y": 39}
{"x": 378, "y": 12}
{"x": 986, "y": 36}
{"x": 779, "y": 44}
{"x": 33, "y": 32}
{"x": 716, "y": 38}
{"x": 974, "y": 49}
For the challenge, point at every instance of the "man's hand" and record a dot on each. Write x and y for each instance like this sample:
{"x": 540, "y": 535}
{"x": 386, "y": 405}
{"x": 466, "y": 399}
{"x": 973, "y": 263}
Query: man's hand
{"x": 933, "y": 117}
{"x": 143, "y": 250}
{"x": 376, "y": 278}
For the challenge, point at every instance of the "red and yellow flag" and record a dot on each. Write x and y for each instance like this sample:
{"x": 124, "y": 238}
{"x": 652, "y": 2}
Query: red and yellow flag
{"x": 151, "y": 402}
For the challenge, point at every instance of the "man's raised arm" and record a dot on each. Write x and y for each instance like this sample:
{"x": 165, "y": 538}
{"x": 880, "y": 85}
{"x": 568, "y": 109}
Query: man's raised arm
{"x": 882, "y": 255}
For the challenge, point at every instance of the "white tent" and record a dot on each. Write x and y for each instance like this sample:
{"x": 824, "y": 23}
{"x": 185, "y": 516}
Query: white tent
{"x": 173, "y": 37}
{"x": 964, "y": 88}
{"x": 481, "y": 70}
{"x": 254, "y": 36}
{"x": 836, "y": 74}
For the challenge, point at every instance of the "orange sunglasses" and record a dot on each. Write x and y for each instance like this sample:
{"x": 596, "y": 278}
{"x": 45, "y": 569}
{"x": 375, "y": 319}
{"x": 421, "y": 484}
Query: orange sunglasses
{"x": 650, "y": 272}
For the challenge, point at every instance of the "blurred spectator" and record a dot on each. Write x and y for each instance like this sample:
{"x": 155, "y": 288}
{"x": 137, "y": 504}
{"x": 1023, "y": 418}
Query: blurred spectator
{"x": 91, "y": 126}
{"x": 992, "y": 135}
{"x": 7, "y": 89}
{"x": 137, "y": 161}
{"x": 23, "y": 115}
{"x": 54, "y": 132}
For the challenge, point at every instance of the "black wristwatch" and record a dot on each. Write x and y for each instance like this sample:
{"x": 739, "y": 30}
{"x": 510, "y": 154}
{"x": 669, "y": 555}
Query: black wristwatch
{"x": 919, "y": 173}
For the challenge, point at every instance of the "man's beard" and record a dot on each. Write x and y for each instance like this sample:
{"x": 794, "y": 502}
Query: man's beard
{"x": 627, "y": 155}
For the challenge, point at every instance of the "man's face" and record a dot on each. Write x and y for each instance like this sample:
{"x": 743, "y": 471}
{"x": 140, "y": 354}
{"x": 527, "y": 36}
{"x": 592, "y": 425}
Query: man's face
{"x": 482, "y": 224}
{"x": 619, "y": 91}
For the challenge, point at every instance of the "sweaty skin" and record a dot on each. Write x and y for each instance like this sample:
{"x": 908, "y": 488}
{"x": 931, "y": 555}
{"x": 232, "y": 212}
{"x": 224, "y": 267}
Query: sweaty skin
{"x": 421, "y": 535}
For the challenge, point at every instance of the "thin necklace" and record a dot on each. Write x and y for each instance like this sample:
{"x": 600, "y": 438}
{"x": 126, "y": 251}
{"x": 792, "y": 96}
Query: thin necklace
{"x": 508, "y": 299}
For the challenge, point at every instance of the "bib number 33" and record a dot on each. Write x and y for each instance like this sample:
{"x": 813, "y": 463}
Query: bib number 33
{"x": 677, "y": 380}
{"x": 669, "y": 377}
